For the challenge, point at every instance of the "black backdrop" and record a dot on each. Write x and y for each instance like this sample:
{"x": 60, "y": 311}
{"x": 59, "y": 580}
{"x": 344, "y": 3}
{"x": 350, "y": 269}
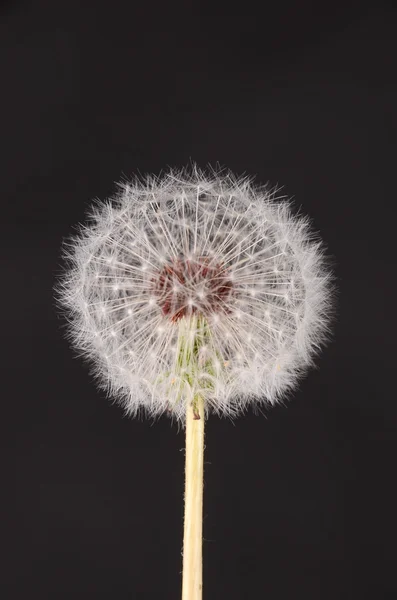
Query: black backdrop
{"x": 300, "y": 503}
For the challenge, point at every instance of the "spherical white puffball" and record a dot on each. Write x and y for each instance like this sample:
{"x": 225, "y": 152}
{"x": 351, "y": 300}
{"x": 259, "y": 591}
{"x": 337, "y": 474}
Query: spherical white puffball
{"x": 196, "y": 284}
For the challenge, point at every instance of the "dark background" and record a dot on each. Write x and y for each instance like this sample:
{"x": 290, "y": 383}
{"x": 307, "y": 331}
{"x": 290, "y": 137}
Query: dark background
{"x": 300, "y": 503}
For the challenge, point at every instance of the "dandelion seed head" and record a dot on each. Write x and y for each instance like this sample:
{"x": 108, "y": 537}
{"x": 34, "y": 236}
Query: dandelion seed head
{"x": 196, "y": 283}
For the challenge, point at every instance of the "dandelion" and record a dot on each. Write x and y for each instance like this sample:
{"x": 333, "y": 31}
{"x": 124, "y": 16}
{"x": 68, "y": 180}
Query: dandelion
{"x": 194, "y": 293}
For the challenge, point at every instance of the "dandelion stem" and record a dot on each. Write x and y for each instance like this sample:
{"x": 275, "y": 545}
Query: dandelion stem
{"x": 192, "y": 574}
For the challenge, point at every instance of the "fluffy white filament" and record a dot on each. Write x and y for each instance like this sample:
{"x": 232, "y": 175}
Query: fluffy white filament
{"x": 195, "y": 284}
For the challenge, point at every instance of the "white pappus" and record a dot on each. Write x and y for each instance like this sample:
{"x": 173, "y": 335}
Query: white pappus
{"x": 195, "y": 284}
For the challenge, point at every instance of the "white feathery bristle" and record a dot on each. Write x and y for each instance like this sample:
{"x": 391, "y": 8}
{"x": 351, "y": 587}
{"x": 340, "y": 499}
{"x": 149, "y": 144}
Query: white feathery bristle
{"x": 196, "y": 283}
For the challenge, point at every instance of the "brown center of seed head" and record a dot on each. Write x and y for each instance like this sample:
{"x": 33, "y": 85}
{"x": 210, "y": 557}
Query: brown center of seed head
{"x": 196, "y": 285}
